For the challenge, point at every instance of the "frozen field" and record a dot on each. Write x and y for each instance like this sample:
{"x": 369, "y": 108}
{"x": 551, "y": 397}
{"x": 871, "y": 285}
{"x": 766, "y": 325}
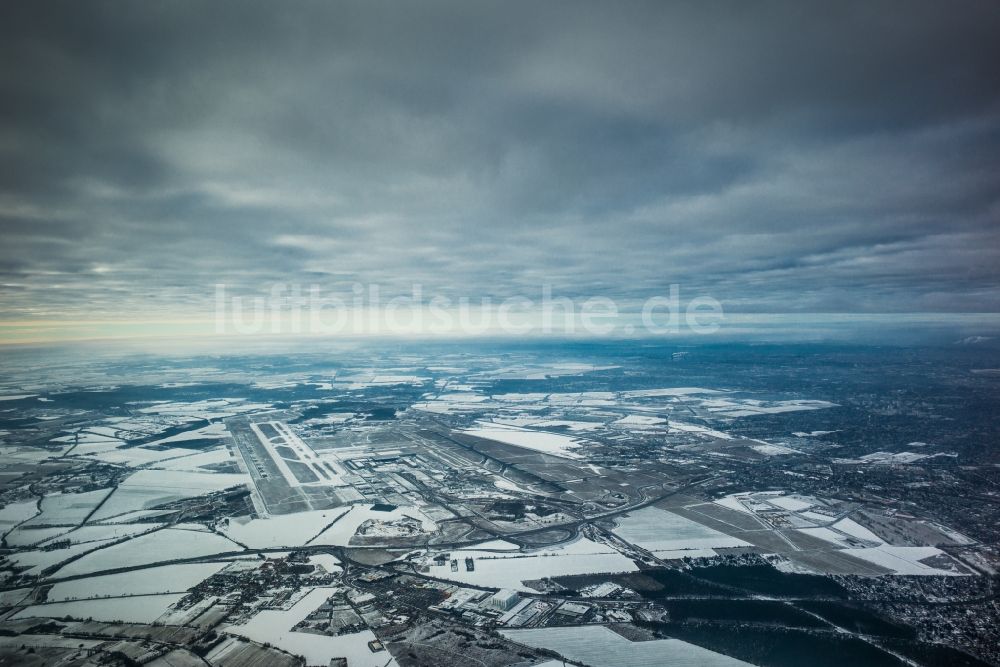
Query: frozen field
{"x": 326, "y": 561}
{"x": 905, "y": 560}
{"x": 793, "y": 503}
{"x": 67, "y": 509}
{"x": 149, "y": 488}
{"x": 212, "y": 409}
{"x": 340, "y": 533}
{"x": 657, "y": 530}
{"x": 671, "y": 391}
{"x": 163, "y": 545}
{"x": 15, "y": 513}
{"x": 681, "y": 427}
{"x": 95, "y": 532}
{"x": 139, "y": 456}
{"x": 216, "y": 430}
{"x": 285, "y": 531}
{"x": 845, "y": 533}
{"x": 31, "y": 535}
{"x": 598, "y": 646}
{"x": 39, "y": 560}
{"x": 167, "y": 579}
{"x": 640, "y": 422}
{"x": 748, "y": 503}
{"x": 499, "y": 569}
{"x": 539, "y": 441}
{"x": 273, "y": 626}
{"x": 773, "y": 450}
{"x": 825, "y": 520}
{"x": 194, "y": 461}
{"x": 14, "y": 596}
{"x": 313, "y": 527}
{"x": 748, "y": 407}
{"x": 136, "y": 609}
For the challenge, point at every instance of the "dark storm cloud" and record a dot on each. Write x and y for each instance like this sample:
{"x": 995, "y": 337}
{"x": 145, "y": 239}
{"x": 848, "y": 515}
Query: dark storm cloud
{"x": 779, "y": 156}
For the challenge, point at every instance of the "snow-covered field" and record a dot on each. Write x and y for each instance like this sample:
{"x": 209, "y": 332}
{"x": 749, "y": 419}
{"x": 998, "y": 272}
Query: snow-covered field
{"x": 195, "y": 460}
{"x": 39, "y": 560}
{"x": 211, "y": 409}
{"x": 216, "y": 430}
{"x": 508, "y": 485}
{"x": 13, "y": 514}
{"x": 768, "y": 449}
{"x": 854, "y": 529}
{"x": 340, "y": 533}
{"x": 137, "y": 609}
{"x": 292, "y": 530}
{"x": 138, "y": 456}
{"x": 498, "y": 569}
{"x": 285, "y": 531}
{"x": 903, "y": 560}
{"x": 761, "y": 501}
{"x": 167, "y": 579}
{"x": 273, "y": 626}
{"x": 149, "y": 488}
{"x": 68, "y": 509}
{"x": 793, "y": 502}
{"x": 95, "y": 532}
{"x": 25, "y": 536}
{"x": 671, "y": 391}
{"x": 326, "y": 561}
{"x": 747, "y": 407}
{"x": 598, "y": 646}
{"x": 640, "y": 422}
{"x": 555, "y": 444}
{"x": 681, "y": 427}
{"x": 163, "y": 545}
{"x": 658, "y": 530}
{"x": 845, "y": 534}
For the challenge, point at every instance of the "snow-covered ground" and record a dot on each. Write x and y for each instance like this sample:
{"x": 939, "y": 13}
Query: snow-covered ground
{"x": 137, "y": 609}
{"x": 163, "y": 545}
{"x": 845, "y": 534}
{"x": 148, "y": 488}
{"x": 39, "y": 560}
{"x": 555, "y": 444}
{"x": 291, "y": 530}
{"x": 195, "y": 461}
{"x": 903, "y": 560}
{"x": 600, "y": 646}
{"x": 768, "y": 449}
{"x": 340, "y": 533}
{"x": 274, "y": 626}
{"x": 94, "y": 532}
{"x": 672, "y": 391}
{"x": 498, "y": 569}
{"x": 68, "y": 509}
{"x": 167, "y": 579}
{"x": 14, "y": 513}
{"x": 283, "y": 531}
{"x": 640, "y": 422}
{"x": 216, "y": 430}
{"x": 793, "y": 503}
{"x": 681, "y": 427}
{"x": 658, "y": 530}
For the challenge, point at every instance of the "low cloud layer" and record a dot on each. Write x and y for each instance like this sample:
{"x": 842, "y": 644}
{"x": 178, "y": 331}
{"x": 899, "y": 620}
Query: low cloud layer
{"x": 778, "y": 156}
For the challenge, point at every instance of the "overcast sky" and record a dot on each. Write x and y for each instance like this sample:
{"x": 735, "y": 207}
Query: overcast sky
{"x": 780, "y": 157}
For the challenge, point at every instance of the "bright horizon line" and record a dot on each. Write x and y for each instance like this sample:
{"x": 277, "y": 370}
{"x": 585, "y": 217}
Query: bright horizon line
{"x": 27, "y": 332}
